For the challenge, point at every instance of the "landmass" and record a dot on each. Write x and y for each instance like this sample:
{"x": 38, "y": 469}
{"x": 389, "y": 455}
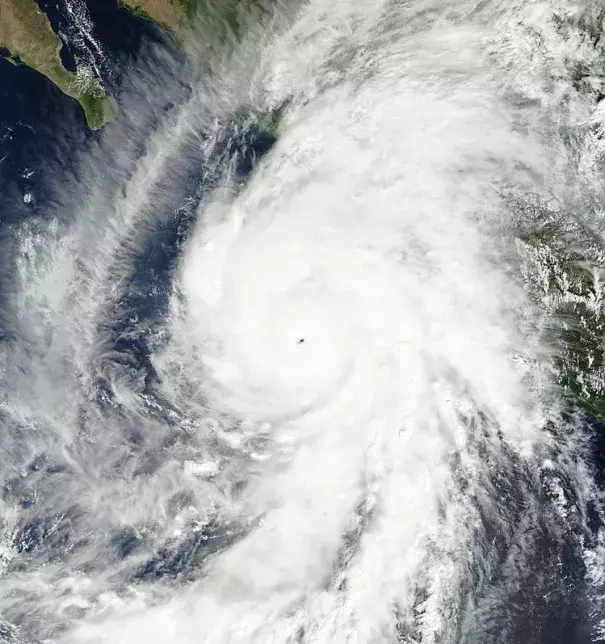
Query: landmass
{"x": 26, "y": 33}
{"x": 171, "y": 15}
{"x": 213, "y": 19}
{"x": 28, "y": 38}
{"x": 567, "y": 263}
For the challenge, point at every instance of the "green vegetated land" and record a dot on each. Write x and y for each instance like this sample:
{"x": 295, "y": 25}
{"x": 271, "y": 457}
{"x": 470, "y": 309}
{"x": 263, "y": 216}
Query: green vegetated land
{"x": 26, "y": 33}
{"x": 564, "y": 266}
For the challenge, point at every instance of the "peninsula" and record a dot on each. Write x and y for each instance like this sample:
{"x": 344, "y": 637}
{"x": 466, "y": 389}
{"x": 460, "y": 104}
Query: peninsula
{"x": 26, "y": 33}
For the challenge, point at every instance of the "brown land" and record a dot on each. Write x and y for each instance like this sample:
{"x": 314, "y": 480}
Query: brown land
{"x": 185, "y": 19}
{"x": 165, "y": 12}
{"x": 26, "y": 32}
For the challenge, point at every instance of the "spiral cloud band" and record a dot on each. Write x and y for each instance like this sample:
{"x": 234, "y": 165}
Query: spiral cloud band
{"x": 345, "y": 307}
{"x": 346, "y": 404}
{"x": 345, "y": 311}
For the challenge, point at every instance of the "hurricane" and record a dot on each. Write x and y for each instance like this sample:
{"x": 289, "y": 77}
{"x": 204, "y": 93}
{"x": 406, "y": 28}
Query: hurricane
{"x": 289, "y": 358}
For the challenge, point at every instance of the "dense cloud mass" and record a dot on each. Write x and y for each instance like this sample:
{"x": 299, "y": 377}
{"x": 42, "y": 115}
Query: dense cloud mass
{"x": 285, "y": 361}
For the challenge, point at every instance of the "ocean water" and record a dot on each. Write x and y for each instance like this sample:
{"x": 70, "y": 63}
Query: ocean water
{"x": 282, "y": 347}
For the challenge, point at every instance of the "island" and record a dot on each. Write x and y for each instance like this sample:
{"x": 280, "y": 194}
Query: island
{"x": 27, "y": 36}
